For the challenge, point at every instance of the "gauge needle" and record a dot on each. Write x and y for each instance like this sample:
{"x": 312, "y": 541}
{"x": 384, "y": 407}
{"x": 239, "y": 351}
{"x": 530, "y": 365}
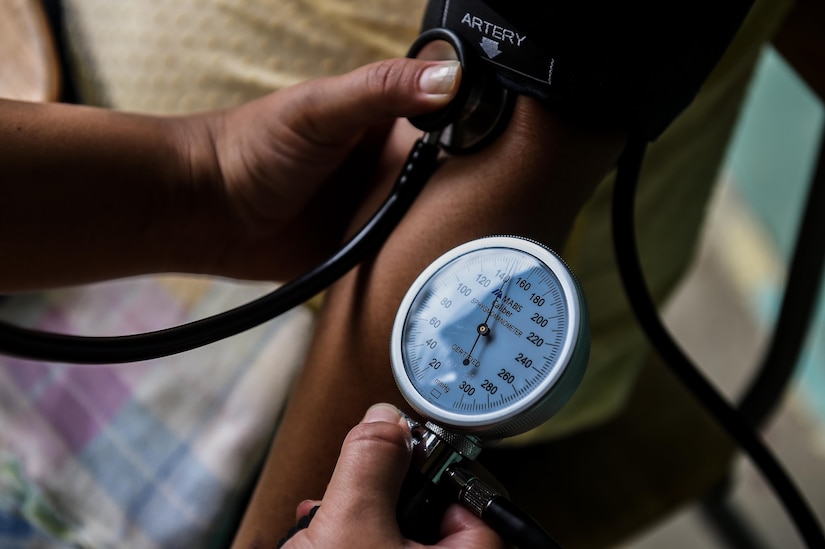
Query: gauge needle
{"x": 483, "y": 329}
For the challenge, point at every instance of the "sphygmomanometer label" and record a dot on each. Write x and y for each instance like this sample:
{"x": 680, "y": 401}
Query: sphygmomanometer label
{"x": 497, "y": 40}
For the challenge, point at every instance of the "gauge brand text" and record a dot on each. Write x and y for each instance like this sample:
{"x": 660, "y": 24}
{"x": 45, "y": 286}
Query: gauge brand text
{"x": 498, "y": 318}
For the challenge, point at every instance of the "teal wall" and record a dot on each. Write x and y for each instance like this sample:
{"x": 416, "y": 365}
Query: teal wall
{"x": 771, "y": 161}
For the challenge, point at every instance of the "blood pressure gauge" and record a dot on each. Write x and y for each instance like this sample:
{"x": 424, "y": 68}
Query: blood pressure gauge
{"x": 492, "y": 338}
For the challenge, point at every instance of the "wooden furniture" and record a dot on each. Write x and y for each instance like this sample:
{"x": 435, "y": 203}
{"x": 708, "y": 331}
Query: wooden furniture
{"x": 29, "y": 69}
{"x": 801, "y": 41}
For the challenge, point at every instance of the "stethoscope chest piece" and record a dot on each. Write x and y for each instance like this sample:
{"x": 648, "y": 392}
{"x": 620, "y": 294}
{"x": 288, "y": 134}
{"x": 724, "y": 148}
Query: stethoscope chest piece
{"x": 481, "y": 109}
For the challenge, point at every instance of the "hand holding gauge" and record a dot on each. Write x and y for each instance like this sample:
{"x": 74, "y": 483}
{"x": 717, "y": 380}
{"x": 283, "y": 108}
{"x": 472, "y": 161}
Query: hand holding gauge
{"x": 489, "y": 341}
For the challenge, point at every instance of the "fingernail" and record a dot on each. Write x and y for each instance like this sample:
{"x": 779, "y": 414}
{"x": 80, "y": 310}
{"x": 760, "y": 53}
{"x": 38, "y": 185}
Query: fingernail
{"x": 382, "y": 412}
{"x": 440, "y": 79}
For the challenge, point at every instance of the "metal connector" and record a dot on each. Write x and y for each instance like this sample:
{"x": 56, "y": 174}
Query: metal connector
{"x": 435, "y": 449}
{"x": 472, "y": 492}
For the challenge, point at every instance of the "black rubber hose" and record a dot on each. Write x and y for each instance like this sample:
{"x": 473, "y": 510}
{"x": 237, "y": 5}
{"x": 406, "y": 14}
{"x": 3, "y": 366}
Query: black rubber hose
{"x": 624, "y": 235}
{"x": 302, "y": 524}
{"x": 516, "y": 526}
{"x": 50, "y": 347}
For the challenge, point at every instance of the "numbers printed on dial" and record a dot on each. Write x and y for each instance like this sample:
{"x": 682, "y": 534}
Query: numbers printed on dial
{"x": 535, "y": 339}
{"x": 484, "y": 330}
{"x": 526, "y": 361}
{"x": 540, "y": 320}
{"x": 523, "y": 284}
{"x": 506, "y": 376}
{"x": 489, "y": 387}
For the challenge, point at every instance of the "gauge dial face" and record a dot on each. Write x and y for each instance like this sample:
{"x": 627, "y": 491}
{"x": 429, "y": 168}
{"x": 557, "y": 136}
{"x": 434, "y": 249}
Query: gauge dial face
{"x": 486, "y": 332}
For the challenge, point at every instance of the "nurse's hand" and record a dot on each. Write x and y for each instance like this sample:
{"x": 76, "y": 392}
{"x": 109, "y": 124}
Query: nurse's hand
{"x": 263, "y": 190}
{"x": 358, "y": 509}
{"x": 295, "y": 165}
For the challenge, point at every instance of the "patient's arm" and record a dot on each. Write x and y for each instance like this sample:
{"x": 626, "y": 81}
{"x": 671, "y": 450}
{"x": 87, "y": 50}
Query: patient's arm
{"x": 531, "y": 182}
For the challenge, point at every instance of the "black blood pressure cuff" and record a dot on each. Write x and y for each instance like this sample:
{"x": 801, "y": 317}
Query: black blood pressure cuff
{"x": 634, "y": 64}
